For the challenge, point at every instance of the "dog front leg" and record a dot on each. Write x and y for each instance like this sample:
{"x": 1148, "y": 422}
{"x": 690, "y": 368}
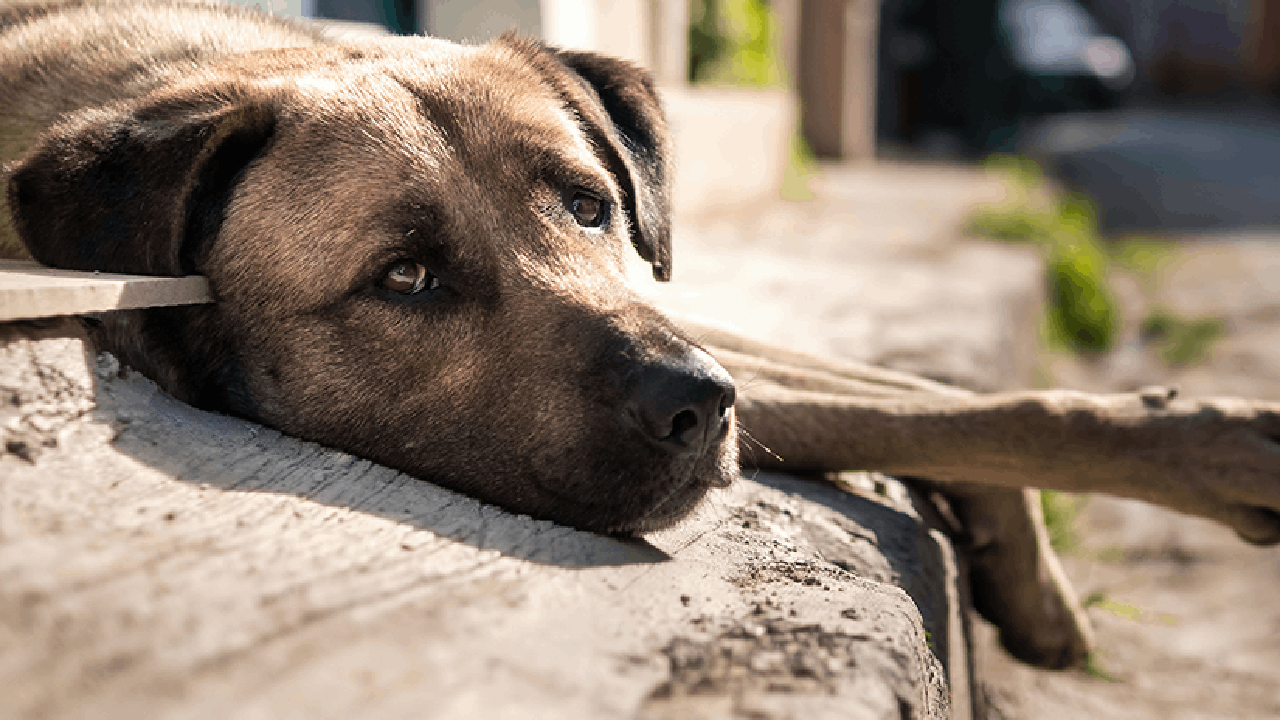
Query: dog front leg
{"x": 1015, "y": 579}
{"x": 1217, "y": 458}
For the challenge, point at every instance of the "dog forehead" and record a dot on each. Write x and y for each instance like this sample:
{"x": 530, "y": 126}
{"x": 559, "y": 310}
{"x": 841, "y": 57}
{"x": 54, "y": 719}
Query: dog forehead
{"x": 489, "y": 99}
{"x": 382, "y": 151}
{"x": 419, "y": 100}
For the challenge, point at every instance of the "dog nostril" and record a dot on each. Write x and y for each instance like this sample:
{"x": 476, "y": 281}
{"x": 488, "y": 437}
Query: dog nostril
{"x": 727, "y": 400}
{"x": 683, "y": 426}
{"x": 682, "y": 406}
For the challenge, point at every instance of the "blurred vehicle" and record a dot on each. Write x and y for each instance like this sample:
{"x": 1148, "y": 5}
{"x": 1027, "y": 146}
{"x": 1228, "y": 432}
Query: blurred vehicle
{"x": 964, "y": 77}
{"x": 1057, "y": 47}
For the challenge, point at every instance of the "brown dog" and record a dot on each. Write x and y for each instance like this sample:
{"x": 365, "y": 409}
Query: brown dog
{"x": 417, "y": 249}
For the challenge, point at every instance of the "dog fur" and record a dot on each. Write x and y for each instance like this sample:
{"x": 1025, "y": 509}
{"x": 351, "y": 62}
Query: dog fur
{"x": 293, "y": 178}
{"x": 300, "y": 174}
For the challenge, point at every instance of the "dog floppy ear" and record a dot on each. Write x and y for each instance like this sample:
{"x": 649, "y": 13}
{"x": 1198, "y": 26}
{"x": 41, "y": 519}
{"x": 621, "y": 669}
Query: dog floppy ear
{"x": 619, "y": 107}
{"x": 134, "y": 189}
{"x": 637, "y": 133}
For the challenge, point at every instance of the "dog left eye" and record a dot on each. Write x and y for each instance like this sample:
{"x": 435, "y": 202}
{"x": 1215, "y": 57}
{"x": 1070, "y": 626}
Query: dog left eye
{"x": 407, "y": 277}
{"x": 588, "y": 210}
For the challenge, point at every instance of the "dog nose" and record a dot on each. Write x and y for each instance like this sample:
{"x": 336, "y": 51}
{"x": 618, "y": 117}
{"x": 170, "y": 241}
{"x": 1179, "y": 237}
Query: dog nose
{"x": 684, "y": 404}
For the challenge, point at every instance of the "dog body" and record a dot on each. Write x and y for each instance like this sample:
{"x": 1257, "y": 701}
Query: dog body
{"x": 417, "y": 254}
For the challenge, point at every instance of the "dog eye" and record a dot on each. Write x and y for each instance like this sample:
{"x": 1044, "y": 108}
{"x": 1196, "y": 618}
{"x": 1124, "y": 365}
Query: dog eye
{"x": 588, "y": 210}
{"x": 409, "y": 278}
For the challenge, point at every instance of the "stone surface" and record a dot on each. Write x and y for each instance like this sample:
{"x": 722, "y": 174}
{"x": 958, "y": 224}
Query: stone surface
{"x": 204, "y": 566}
{"x": 45, "y": 384}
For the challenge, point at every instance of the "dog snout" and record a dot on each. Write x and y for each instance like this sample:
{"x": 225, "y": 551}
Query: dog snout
{"x": 683, "y": 404}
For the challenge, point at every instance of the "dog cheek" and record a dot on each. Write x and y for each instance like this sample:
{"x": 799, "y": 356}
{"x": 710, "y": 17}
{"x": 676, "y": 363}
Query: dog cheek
{"x": 264, "y": 398}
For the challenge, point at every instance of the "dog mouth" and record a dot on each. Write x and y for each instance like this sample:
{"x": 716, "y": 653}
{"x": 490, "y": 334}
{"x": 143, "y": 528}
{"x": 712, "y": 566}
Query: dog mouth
{"x": 673, "y": 507}
{"x": 640, "y": 503}
{"x": 715, "y": 469}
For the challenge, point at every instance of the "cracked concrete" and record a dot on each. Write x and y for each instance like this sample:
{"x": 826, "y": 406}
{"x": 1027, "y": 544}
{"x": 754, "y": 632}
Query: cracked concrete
{"x": 44, "y": 385}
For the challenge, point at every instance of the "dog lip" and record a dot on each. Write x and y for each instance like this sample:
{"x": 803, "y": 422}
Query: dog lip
{"x": 658, "y": 517}
{"x": 567, "y": 499}
{"x": 705, "y": 475}
{"x": 684, "y": 496}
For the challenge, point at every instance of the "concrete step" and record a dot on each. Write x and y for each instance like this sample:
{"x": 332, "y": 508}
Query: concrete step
{"x": 876, "y": 269}
{"x": 161, "y": 561}
{"x": 731, "y": 146}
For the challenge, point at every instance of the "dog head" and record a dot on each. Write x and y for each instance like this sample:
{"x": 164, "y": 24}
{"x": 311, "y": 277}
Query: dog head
{"x": 417, "y": 252}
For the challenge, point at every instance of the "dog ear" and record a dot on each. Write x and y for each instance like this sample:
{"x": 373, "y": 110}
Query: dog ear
{"x": 619, "y": 106}
{"x": 637, "y": 133}
{"x": 136, "y": 188}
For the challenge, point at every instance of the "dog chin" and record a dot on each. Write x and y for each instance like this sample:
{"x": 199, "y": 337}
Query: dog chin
{"x": 715, "y": 470}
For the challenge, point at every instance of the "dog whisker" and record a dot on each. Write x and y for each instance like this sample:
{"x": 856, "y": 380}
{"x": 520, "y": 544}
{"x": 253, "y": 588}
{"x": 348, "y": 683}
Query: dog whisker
{"x": 746, "y": 435}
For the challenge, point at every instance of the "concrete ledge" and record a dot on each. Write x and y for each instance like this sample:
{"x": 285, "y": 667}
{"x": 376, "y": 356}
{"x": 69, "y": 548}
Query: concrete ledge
{"x": 731, "y": 146}
{"x": 160, "y": 561}
{"x": 29, "y": 290}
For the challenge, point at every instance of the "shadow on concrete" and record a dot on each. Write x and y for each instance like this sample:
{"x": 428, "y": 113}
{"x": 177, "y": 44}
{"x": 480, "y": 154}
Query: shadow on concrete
{"x": 232, "y": 454}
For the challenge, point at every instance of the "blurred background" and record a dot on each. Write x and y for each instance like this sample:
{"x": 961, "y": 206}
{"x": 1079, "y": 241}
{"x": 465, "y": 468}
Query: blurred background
{"x": 999, "y": 194}
{"x": 1160, "y": 110}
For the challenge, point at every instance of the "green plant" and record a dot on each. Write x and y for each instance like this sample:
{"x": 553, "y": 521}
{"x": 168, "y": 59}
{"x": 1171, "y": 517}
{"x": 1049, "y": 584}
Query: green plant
{"x": 755, "y": 61}
{"x": 1082, "y": 313}
{"x": 1142, "y": 257}
{"x": 732, "y": 42}
{"x": 1060, "y": 512}
{"x": 1015, "y": 222}
{"x": 801, "y": 163}
{"x": 1082, "y": 309}
{"x": 1126, "y": 611}
{"x": 1021, "y": 170}
{"x": 1017, "y": 219}
{"x": 1093, "y": 666}
{"x": 707, "y": 42}
{"x": 1180, "y": 341}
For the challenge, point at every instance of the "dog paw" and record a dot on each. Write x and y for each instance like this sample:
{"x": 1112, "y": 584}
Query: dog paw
{"x": 1217, "y": 458}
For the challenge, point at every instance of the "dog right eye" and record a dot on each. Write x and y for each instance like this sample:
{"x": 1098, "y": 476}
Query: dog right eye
{"x": 588, "y": 210}
{"x": 407, "y": 277}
